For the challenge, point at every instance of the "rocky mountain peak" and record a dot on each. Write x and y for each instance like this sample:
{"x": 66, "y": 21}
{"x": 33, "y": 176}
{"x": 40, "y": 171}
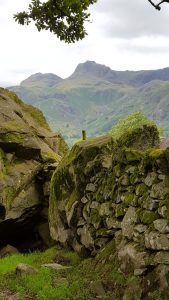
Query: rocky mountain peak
{"x": 37, "y": 79}
{"x": 93, "y": 69}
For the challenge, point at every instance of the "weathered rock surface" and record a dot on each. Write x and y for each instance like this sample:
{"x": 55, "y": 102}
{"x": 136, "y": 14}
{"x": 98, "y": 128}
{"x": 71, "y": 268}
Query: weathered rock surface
{"x": 29, "y": 153}
{"x": 25, "y": 269}
{"x": 56, "y": 266}
{"x": 8, "y": 250}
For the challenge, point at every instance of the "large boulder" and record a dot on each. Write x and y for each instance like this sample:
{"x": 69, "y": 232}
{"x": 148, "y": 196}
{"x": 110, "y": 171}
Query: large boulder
{"x": 73, "y": 185}
{"x": 29, "y": 152}
{"x": 136, "y": 131}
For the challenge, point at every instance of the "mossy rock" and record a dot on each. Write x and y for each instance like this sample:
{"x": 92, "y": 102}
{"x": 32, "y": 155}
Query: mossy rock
{"x": 136, "y": 131}
{"x": 34, "y": 112}
{"x": 146, "y": 217}
{"x": 133, "y": 155}
{"x": 120, "y": 210}
{"x": 159, "y": 191}
{"x": 151, "y": 178}
{"x": 117, "y": 170}
{"x": 103, "y": 232}
{"x": 141, "y": 189}
{"x": 158, "y": 158}
{"x": 163, "y": 211}
{"x": 94, "y": 218}
{"x": 124, "y": 180}
{"x": 129, "y": 199}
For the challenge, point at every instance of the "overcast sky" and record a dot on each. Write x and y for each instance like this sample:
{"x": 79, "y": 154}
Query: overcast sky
{"x": 124, "y": 35}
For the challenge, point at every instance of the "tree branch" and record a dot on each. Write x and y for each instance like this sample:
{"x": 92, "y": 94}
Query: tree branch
{"x": 167, "y": 1}
{"x": 156, "y": 6}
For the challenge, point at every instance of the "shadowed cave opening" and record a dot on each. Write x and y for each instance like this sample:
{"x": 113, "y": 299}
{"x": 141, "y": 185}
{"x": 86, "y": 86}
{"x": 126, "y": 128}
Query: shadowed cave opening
{"x": 30, "y": 231}
{"x": 22, "y": 235}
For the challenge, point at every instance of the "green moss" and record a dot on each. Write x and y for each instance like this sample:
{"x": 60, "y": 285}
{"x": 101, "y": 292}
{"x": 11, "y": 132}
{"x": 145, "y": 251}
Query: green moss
{"x": 133, "y": 155}
{"x": 146, "y": 216}
{"x": 164, "y": 202}
{"x": 13, "y": 96}
{"x": 69, "y": 157}
{"x": 117, "y": 170}
{"x": 119, "y": 210}
{"x": 50, "y": 157}
{"x": 157, "y": 158}
{"x": 12, "y": 125}
{"x": 102, "y": 232}
{"x": 166, "y": 181}
{"x": 8, "y": 196}
{"x": 133, "y": 288}
{"x": 61, "y": 182}
{"x": 119, "y": 278}
{"x": 129, "y": 199}
{"x": 136, "y": 131}
{"x": 12, "y": 137}
{"x": 105, "y": 253}
{"x": 36, "y": 114}
{"x": 94, "y": 218}
{"x": 3, "y": 163}
{"x": 135, "y": 177}
{"x": 141, "y": 189}
{"x": 156, "y": 153}
{"x": 72, "y": 199}
{"x": 62, "y": 146}
{"x": 129, "y": 123}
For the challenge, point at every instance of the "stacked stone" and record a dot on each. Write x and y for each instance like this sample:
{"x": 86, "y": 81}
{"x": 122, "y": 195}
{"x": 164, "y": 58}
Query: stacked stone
{"x": 126, "y": 199}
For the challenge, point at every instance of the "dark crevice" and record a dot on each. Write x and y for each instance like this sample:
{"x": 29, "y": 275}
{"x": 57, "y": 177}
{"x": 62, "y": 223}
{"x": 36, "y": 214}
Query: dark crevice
{"x": 2, "y": 212}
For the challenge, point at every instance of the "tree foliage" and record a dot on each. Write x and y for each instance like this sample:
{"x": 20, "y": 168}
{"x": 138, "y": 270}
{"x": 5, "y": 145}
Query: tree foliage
{"x": 65, "y": 18}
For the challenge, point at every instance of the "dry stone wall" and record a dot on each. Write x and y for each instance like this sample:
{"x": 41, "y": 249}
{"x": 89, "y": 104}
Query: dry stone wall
{"x": 102, "y": 192}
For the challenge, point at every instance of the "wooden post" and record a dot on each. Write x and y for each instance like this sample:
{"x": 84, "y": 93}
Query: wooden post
{"x": 83, "y": 135}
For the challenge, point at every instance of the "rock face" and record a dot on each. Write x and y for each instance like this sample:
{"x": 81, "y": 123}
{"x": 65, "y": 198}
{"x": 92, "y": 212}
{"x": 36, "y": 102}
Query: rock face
{"x": 29, "y": 152}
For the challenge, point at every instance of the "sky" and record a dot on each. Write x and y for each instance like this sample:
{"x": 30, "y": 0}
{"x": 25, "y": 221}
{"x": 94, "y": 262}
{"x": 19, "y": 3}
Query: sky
{"x": 122, "y": 34}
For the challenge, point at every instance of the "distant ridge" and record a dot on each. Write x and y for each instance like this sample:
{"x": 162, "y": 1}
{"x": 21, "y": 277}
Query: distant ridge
{"x": 94, "y": 97}
{"x": 123, "y": 77}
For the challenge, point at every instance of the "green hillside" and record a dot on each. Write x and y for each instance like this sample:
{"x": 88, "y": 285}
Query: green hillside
{"x": 94, "y": 97}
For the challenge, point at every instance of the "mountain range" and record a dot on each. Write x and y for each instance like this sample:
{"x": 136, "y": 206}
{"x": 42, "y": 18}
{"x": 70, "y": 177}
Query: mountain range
{"x": 95, "y": 97}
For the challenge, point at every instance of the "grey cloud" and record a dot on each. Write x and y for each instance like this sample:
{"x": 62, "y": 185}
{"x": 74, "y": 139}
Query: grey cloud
{"x": 142, "y": 49}
{"x": 130, "y": 19}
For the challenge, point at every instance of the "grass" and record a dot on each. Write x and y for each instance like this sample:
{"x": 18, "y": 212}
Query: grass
{"x": 68, "y": 284}
{"x": 46, "y": 283}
